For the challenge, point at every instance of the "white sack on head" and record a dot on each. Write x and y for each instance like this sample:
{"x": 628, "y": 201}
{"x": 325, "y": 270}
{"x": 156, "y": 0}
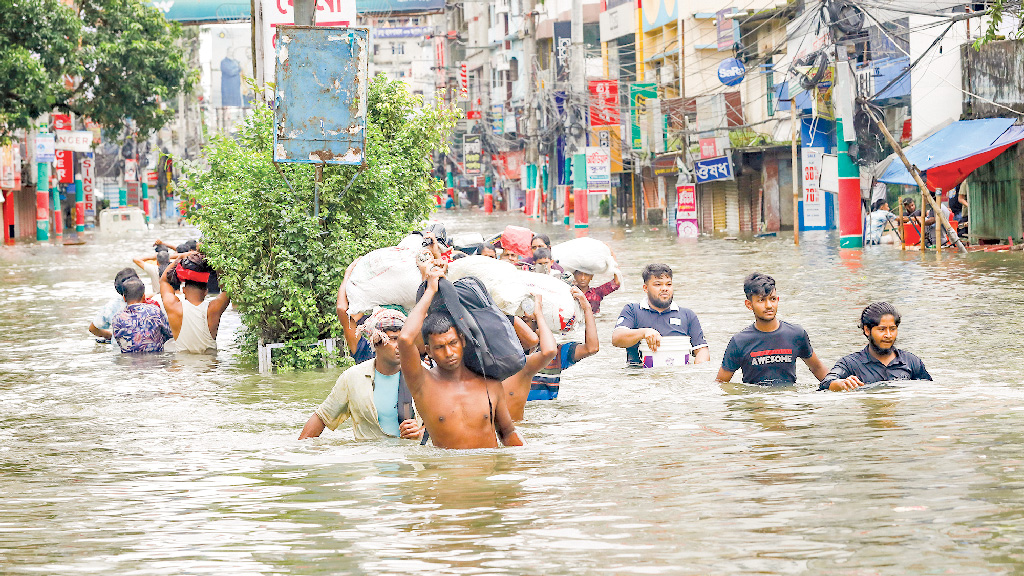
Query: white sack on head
{"x": 412, "y": 242}
{"x": 466, "y": 239}
{"x": 586, "y": 255}
{"x": 561, "y": 311}
{"x": 498, "y": 276}
{"x": 387, "y": 276}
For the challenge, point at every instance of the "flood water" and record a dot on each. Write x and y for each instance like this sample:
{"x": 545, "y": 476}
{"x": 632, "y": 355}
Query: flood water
{"x": 185, "y": 465}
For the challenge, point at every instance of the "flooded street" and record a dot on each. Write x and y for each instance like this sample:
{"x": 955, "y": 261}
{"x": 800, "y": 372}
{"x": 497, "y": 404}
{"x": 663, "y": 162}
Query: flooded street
{"x": 190, "y": 465}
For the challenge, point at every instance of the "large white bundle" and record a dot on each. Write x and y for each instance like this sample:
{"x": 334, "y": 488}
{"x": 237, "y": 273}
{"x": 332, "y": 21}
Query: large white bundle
{"x": 586, "y": 255}
{"x": 412, "y": 242}
{"x": 382, "y": 277}
{"x": 465, "y": 239}
{"x": 498, "y": 276}
{"x": 561, "y": 311}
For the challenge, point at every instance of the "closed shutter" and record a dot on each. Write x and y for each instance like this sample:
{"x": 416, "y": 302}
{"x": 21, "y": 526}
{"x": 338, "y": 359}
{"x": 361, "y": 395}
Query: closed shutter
{"x": 719, "y": 205}
{"x": 732, "y": 205}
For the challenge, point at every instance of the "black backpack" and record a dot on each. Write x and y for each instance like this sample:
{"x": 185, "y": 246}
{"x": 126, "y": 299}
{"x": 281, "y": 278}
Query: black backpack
{"x": 492, "y": 348}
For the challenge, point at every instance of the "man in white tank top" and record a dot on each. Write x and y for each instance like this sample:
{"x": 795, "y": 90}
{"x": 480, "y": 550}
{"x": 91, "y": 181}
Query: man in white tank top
{"x": 193, "y": 320}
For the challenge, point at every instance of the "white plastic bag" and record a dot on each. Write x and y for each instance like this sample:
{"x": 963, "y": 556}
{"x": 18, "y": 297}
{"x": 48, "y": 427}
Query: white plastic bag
{"x": 561, "y": 311}
{"x": 382, "y": 277}
{"x": 586, "y": 255}
{"x": 498, "y": 276}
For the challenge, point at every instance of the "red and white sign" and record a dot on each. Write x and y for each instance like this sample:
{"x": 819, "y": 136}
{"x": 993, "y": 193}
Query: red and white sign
{"x": 89, "y": 184}
{"x": 814, "y": 198}
{"x": 709, "y": 148}
{"x": 604, "y": 102}
{"x": 474, "y": 115}
{"x": 273, "y": 13}
{"x": 463, "y": 82}
{"x": 65, "y": 158}
{"x": 599, "y": 169}
{"x": 687, "y": 225}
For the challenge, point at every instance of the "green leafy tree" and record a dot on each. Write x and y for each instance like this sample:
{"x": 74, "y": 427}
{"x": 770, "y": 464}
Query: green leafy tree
{"x": 125, "y": 59}
{"x": 996, "y": 10}
{"x": 281, "y": 263}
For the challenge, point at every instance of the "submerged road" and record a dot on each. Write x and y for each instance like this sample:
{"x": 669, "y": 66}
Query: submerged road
{"x": 186, "y": 465}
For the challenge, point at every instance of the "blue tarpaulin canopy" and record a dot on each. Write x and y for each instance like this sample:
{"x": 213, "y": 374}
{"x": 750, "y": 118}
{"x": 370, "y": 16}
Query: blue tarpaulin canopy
{"x": 947, "y": 157}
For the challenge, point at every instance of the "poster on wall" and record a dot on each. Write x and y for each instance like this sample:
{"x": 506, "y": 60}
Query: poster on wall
{"x": 599, "y": 169}
{"x": 686, "y": 211}
{"x": 814, "y": 198}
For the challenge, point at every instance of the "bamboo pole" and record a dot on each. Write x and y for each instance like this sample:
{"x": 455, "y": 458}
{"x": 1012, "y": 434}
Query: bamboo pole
{"x": 796, "y": 187}
{"x": 925, "y": 196}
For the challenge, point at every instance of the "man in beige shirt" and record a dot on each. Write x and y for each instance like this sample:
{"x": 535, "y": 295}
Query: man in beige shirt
{"x": 372, "y": 393}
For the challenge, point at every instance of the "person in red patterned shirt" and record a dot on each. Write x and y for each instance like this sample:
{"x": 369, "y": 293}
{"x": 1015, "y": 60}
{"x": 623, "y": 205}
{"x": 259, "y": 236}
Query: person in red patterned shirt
{"x": 594, "y": 295}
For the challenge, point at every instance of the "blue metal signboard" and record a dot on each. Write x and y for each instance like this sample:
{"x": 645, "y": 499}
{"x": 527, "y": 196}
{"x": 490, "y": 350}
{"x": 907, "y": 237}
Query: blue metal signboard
{"x": 712, "y": 169}
{"x": 320, "y": 104}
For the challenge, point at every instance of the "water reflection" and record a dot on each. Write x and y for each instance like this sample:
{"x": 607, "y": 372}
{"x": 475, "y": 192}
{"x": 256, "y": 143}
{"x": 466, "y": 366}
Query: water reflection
{"x": 183, "y": 464}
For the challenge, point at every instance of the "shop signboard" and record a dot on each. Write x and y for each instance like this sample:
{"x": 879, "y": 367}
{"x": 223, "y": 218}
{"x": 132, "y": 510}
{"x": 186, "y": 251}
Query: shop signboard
{"x": 46, "y": 148}
{"x": 687, "y": 225}
{"x": 65, "y": 158}
{"x": 712, "y": 169}
{"x": 74, "y": 140}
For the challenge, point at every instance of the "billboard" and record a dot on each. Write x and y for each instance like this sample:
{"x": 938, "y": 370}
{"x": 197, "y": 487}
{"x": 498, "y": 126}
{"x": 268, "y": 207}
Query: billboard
{"x": 639, "y": 94}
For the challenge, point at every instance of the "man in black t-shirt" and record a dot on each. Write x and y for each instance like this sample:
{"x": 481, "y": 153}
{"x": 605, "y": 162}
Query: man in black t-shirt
{"x": 766, "y": 351}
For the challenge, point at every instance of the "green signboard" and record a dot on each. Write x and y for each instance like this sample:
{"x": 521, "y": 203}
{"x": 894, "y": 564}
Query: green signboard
{"x": 639, "y": 94}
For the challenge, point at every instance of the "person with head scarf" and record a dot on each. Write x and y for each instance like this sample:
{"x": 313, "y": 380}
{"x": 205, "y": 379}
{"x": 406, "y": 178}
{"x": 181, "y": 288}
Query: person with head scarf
{"x": 373, "y": 393}
{"x": 194, "y": 320}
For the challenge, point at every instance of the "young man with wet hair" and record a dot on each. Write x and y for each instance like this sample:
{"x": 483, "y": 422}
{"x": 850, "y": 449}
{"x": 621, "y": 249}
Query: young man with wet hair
{"x": 880, "y": 360}
{"x": 766, "y": 351}
{"x": 460, "y": 409}
{"x": 372, "y": 392}
{"x": 596, "y": 294}
{"x": 656, "y": 317}
{"x": 100, "y": 326}
{"x": 140, "y": 328}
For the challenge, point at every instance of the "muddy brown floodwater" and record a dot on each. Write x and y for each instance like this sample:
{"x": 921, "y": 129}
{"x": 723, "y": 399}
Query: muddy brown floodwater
{"x": 178, "y": 465}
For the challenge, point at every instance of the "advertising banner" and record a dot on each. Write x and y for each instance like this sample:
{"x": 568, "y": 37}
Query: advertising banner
{"x": 562, "y": 46}
{"x": 65, "y": 158}
{"x": 599, "y": 169}
{"x": 7, "y": 166}
{"x": 46, "y": 148}
{"x": 814, "y": 198}
{"x": 89, "y": 184}
{"x": 639, "y": 94}
{"x": 463, "y": 82}
{"x": 609, "y": 138}
{"x": 471, "y": 154}
{"x": 273, "y": 13}
{"x": 604, "y": 102}
{"x": 687, "y": 225}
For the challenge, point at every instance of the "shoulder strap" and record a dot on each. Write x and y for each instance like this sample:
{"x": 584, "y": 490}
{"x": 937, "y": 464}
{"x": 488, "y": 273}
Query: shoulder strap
{"x": 405, "y": 406}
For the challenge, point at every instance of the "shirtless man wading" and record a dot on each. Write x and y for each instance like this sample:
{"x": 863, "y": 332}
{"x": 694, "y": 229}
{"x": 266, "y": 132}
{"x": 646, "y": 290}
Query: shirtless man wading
{"x": 460, "y": 409}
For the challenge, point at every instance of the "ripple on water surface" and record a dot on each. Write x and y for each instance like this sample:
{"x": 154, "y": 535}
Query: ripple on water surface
{"x": 172, "y": 465}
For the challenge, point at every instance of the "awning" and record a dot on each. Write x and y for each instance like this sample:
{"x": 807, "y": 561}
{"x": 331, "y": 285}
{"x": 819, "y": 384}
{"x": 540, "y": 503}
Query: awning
{"x": 947, "y": 157}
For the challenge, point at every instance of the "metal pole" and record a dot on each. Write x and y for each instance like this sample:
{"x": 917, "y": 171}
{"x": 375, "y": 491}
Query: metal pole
{"x": 796, "y": 172}
{"x": 926, "y": 198}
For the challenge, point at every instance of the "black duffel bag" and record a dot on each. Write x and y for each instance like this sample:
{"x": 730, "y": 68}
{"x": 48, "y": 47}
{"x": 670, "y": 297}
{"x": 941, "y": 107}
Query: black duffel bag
{"x": 492, "y": 348}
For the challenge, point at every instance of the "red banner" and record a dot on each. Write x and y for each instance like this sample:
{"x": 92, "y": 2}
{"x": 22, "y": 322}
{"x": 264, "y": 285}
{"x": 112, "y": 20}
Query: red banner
{"x": 509, "y": 164}
{"x": 65, "y": 158}
{"x": 604, "y": 102}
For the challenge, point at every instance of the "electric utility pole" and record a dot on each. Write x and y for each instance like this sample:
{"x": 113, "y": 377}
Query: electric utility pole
{"x": 578, "y": 76}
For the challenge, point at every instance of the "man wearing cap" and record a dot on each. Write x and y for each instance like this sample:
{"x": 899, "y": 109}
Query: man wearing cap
{"x": 372, "y": 393}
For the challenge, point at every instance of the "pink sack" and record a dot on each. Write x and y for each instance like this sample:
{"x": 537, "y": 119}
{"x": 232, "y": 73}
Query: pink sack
{"x": 517, "y": 239}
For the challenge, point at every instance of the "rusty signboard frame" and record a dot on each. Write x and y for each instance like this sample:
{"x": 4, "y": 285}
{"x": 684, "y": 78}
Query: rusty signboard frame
{"x": 320, "y": 95}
